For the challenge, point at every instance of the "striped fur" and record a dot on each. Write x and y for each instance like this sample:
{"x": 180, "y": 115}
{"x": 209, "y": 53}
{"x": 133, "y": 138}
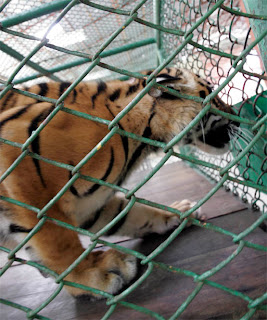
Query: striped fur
{"x": 68, "y": 139}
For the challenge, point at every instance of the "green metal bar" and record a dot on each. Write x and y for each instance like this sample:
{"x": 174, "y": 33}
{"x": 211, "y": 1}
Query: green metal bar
{"x": 151, "y": 174}
{"x": 258, "y": 24}
{"x": 131, "y": 288}
{"x": 34, "y": 312}
{"x": 259, "y": 123}
{"x": 249, "y": 314}
{"x": 35, "y": 96}
{"x": 101, "y": 241}
{"x": 248, "y": 49}
{"x": 258, "y": 301}
{"x": 136, "y": 137}
{"x": 45, "y": 122}
{"x": 208, "y": 282}
{"x": 13, "y": 53}
{"x": 137, "y": 6}
{"x": 115, "y": 220}
{"x": 60, "y": 16}
{"x": 187, "y": 302}
{"x": 40, "y": 45}
{"x": 76, "y": 262}
{"x": 2, "y": 7}
{"x": 77, "y": 81}
{"x": 169, "y": 59}
{"x": 165, "y": 243}
{"x": 139, "y": 96}
{"x": 34, "y": 13}
{"x": 21, "y": 204}
{"x": 5, "y": 90}
{"x": 63, "y": 190}
{"x": 27, "y": 238}
{"x": 205, "y": 198}
{"x": 24, "y": 61}
{"x": 94, "y": 150}
{"x": 206, "y": 225}
{"x": 233, "y": 117}
{"x": 114, "y": 35}
{"x": 204, "y": 17}
{"x": 141, "y": 309}
{"x": 6, "y": 266}
{"x": 244, "y": 14}
{"x": 179, "y": 136}
{"x": 109, "y": 312}
{"x": 105, "y": 8}
{"x": 14, "y": 165}
{"x": 245, "y": 150}
{"x": 251, "y": 228}
{"x": 222, "y": 264}
{"x": 156, "y": 9}
{"x": 20, "y": 307}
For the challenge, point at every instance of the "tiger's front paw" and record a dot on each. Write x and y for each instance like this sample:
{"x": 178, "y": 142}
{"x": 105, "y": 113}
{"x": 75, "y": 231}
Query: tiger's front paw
{"x": 112, "y": 270}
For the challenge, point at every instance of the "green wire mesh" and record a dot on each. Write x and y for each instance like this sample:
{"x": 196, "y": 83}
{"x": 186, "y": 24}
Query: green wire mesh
{"x": 212, "y": 38}
{"x": 226, "y": 38}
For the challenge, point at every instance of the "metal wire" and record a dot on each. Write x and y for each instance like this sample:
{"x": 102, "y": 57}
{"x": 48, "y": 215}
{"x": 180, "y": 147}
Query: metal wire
{"x": 193, "y": 34}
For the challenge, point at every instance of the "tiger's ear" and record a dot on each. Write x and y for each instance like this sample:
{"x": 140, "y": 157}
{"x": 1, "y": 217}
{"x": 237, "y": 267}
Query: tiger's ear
{"x": 162, "y": 78}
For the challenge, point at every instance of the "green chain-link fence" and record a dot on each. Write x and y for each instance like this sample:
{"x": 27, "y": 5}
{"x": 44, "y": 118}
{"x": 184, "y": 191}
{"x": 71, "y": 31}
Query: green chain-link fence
{"x": 221, "y": 40}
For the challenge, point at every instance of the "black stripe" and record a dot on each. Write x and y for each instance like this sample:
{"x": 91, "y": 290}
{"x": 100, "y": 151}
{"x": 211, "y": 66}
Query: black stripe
{"x": 138, "y": 152}
{"x": 115, "y": 95}
{"x": 89, "y": 223}
{"x": 147, "y": 133}
{"x": 167, "y": 78}
{"x": 63, "y": 86}
{"x": 202, "y": 94}
{"x": 205, "y": 86}
{"x": 14, "y": 116}
{"x": 6, "y": 100}
{"x": 36, "y": 142}
{"x": 152, "y": 112}
{"x": 74, "y": 96}
{"x": 73, "y": 190}
{"x": 43, "y": 89}
{"x": 13, "y": 228}
{"x": 119, "y": 224}
{"x": 95, "y": 187}
{"x": 134, "y": 159}
{"x": 151, "y": 117}
{"x": 101, "y": 86}
{"x": 209, "y": 89}
{"x": 169, "y": 96}
{"x": 123, "y": 138}
{"x": 132, "y": 89}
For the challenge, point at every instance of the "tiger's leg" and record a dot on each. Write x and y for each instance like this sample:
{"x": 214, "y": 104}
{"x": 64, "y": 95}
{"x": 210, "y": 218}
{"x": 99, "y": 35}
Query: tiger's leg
{"x": 57, "y": 248}
{"x": 140, "y": 220}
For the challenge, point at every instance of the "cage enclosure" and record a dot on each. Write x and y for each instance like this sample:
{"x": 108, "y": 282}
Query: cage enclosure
{"x": 225, "y": 42}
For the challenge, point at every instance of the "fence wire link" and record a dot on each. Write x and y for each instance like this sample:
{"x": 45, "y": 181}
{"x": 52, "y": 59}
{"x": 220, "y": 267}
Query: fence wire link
{"x": 182, "y": 33}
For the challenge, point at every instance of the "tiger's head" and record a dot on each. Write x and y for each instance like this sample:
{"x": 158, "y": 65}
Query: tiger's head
{"x": 212, "y": 134}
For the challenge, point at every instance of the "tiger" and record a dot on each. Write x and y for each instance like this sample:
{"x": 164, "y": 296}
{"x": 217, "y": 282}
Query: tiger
{"x": 67, "y": 138}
